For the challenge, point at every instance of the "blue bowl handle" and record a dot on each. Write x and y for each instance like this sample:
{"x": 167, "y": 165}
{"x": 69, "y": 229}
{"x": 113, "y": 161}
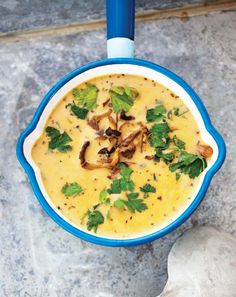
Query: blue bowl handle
{"x": 120, "y": 28}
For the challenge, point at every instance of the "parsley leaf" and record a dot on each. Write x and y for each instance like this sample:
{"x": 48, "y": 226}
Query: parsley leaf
{"x": 81, "y": 113}
{"x": 87, "y": 97}
{"x": 159, "y": 135}
{"x": 177, "y": 176}
{"x": 119, "y": 203}
{"x": 58, "y": 141}
{"x": 166, "y": 156}
{"x": 155, "y": 114}
{"x": 124, "y": 183}
{"x": 134, "y": 204}
{"x": 72, "y": 189}
{"x": 178, "y": 113}
{"x": 179, "y": 143}
{"x": 125, "y": 171}
{"x": 103, "y": 197}
{"x": 189, "y": 164}
{"x": 122, "y": 98}
{"x": 148, "y": 188}
{"x": 95, "y": 218}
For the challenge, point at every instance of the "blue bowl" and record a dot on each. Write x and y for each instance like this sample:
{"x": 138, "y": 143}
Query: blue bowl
{"x": 129, "y": 241}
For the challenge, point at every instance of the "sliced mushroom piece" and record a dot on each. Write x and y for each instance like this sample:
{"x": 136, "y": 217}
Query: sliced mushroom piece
{"x": 204, "y": 150}
{"x": 90, "y": 166}
{"x": 94, "y": 121}
{"x": 129, "y": 151}
{"x": 87, "y": 165}
{"x": 112, "y": 133}
{"x": 130, "y": 138}
{"x": 125, "y": 117}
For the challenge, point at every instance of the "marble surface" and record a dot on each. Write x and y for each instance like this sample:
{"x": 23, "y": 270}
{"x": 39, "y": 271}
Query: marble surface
{"x": 36, "y": 14}
{"x": 39, "y": 259}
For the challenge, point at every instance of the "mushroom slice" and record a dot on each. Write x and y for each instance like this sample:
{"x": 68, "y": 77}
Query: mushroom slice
{"x": 129, "y": 151}
{"x": 204, "y": 150}
{"x": 87, "y": 165}
{"x": 130, "y": 138}
{"x": 94, "y": 121}
{"x": 90, "y": 166}
{"x": 125, "y": 117}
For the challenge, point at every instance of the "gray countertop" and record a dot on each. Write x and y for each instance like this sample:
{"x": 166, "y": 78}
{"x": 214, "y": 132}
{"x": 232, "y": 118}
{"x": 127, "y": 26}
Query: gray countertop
{"x": 17, "y": 15}
{"x": 40, "y": 259}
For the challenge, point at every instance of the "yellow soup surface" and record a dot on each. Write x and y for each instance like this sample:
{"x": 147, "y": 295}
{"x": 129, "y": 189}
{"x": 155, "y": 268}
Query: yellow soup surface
{"x": 114, "y": 172}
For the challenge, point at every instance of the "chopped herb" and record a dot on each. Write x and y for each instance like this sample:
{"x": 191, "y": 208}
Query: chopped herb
{"x": 178, "y": 113}
{"x": 87, "y": 97}
{"x": 177, "y": 176}
{"x": 134, "y": 204}
{"x": 155, "y": 114}
{"x": 122, "y": 98}
{"x": 169, "y": 114}
{"x": 72, "y": 189}
{"x": 108, "y": 215}
{"x": 95, "y": 218}
{"x": 179, "y": 143}
{"x": 159, "y": 135}
{"x": 165, "y": 156}
{"x": 119, "y": 203}
{"x": 189, "y": 164}
{"x": 147, "y": 188}
{"x": 124, "y": 183}
{"x": 103, "y": 197}
{"x": 81, "y": 113}
{"x": 58, "y": 141}
{"x": 154, "y": 177}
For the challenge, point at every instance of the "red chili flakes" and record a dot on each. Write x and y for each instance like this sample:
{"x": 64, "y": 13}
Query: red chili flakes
{"x": 197, "y": 132}
{"x": 159, "y": 198}
{"x": 172, "y": 95}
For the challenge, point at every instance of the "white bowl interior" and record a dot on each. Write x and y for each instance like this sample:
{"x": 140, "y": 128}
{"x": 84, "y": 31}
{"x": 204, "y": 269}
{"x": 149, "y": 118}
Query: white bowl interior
{"x": 106, "y": 70}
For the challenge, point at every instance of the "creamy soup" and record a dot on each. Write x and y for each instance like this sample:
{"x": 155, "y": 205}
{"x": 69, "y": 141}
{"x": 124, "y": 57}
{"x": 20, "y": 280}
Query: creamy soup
{"x": 121, "y": 155}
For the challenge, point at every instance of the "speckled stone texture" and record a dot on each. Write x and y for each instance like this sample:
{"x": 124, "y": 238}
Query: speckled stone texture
{"x": 39, "y": 259}
{"x": 18, "y": 15}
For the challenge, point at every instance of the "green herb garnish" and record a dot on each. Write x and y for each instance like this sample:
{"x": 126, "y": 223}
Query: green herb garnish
{"x": 178, "y": 113}
{"x": 165, "y": 156}
{"x": 159, "y": 135}
{"x": 119, "y": 203}
{"x": 124, "y": 183}
{"x": 189, "y": 164}
{"x": 103, "y": 197}
{"x": 81, "y": 113}
{"x": 155, "y": 114}
{"x": 177, "y": 176}
{"x": 179, "y": 143}
{"x": 72, "y": 189}
{"x": 58, "y": 141}
{"x": 95, "y": 218}
{"x": 134, "y": 204}
{"x": 122, "y": 98}
{"x": 87, "y": 97}
{"x": 147, "y": 188}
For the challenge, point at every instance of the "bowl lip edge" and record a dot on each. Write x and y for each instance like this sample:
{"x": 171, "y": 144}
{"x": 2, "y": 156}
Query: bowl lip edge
{"x": 156, "y": 234}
